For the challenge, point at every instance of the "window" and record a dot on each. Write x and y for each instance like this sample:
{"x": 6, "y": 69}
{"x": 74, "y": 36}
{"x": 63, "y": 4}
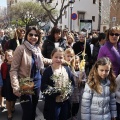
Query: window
{"x": 94, "y": 1}
{"x": 81, "y": 16}
{"x": 93, "y": 18}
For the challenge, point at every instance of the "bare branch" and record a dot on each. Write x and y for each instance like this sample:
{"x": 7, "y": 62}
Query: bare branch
{"x": 49, "y": 13}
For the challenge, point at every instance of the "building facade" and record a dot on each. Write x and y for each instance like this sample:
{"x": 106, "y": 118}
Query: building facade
{"x": 115, "y": 13}
{"x": 83, "y": 15}
{"x": 95, "y": 12}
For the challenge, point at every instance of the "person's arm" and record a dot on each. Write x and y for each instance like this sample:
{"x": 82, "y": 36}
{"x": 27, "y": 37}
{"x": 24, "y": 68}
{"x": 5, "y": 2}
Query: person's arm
{"x": 101, "y": 53}
{"x": 86, "y": 103}
{"x": 118, "y": 87}
{"x": 15, "y": 65}
{"x": 44, "y": 48}
{"x": 47, "y": 85}
{"x": 113, "y": 106}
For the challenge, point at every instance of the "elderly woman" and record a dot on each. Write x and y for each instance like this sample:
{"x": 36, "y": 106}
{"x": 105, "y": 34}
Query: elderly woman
{"x": 53, "y": 40}
{"x": 111, "y": 48}
{"x": 27, "y": 63}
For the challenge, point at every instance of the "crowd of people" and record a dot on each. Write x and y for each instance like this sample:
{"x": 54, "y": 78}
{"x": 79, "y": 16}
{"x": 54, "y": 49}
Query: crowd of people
{"x": 78, "y": 73}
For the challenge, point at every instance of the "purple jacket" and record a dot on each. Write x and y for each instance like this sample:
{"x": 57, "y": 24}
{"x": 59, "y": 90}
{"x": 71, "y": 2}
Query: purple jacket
{"x": 108, "y": 50}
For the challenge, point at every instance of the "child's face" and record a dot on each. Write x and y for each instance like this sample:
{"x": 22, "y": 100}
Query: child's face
{"x": 9, "y": 56}
{"x": 57, "y": 58}
{"x": 103, "y": 70}
{"x": 69, "y": 39}
{"x": 77, "y": 63}
{"x": 68, "y": 57}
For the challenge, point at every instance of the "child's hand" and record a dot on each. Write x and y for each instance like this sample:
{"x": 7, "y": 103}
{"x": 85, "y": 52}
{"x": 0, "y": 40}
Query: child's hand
{"x": 113, "y": 118}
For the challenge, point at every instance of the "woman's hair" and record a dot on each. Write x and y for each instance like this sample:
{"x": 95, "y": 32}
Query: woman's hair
{"x": 6, "y": 52}
{"x": 58, "y": 49}
{"x": 18, "y": 32}
{"x": 37, "y": 31}
{"x": 55, "y": 30}
{"x": 94, "y": 40}
{"x": 71, "y": 51}
{"x": 94, "y": 79}
{"x": 71, "y": 36}
{"x": 110, "y": 30}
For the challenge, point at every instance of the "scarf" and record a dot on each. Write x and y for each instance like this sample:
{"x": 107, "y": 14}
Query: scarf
{"x": 36, "y": 53}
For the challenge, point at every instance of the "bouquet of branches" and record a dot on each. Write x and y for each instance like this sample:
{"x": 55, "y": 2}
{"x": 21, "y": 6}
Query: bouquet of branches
{"x": 62, "y": 85}
{"x": 26, "y": 85}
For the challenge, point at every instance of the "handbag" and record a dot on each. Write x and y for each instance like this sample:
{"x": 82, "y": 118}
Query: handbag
{"x": 26, "y": 86}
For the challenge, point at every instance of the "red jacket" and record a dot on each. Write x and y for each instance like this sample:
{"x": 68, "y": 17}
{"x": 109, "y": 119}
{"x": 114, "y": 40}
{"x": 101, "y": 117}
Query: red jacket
{"x": 4, "y": 70}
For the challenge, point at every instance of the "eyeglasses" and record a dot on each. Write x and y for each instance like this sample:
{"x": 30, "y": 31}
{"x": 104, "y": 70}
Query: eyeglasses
{"x": 116, "y": 34}
{"x": 31, "y": 35}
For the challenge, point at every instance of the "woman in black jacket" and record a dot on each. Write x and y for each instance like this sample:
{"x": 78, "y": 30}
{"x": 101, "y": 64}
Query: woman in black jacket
{"x": 53, "y": 40}
{"x": 17, "y": 40}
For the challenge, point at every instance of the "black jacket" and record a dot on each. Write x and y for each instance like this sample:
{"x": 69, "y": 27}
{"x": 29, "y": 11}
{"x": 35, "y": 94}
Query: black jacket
{"x": 48, "y": 46}
{"x": 96, "y": 49}
{"x": 79, "y": 47}
{"x": 13, "y": 44}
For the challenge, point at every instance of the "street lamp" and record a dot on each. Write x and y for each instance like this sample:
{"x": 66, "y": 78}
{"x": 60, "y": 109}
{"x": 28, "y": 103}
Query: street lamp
{"x": 99, "y": 22}
{"x": 71, "y": 7}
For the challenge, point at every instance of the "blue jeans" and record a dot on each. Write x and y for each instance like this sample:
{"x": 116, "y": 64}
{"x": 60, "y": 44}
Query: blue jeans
{"x": 61, "y": 110}
{"x": 29, "y": 104}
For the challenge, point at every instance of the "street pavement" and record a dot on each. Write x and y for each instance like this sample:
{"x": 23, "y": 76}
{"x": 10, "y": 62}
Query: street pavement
{"x": 17, "y": 115}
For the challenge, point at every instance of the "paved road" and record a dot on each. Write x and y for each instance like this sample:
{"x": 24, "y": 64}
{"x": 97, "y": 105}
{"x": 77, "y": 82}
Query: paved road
{"x": 18, "y": 112}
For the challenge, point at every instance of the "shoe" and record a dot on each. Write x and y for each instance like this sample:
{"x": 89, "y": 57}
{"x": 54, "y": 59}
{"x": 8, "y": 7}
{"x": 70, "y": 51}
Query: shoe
{"x": 2, "y": 108}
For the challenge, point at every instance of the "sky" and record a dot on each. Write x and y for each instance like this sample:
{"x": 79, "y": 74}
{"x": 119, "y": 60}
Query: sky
{"x": 3, "y": 3}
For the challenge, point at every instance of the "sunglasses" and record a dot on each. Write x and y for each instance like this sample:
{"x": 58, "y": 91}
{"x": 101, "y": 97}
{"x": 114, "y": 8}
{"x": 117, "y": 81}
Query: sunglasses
{"x": 31, "y": 35}
{"x": 116, "y": 34}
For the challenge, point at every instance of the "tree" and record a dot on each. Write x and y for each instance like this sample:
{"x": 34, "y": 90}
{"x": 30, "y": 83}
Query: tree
{"x": 29, "y": 13}
{"x": 115, "y": 10}
{"x": 55, "y": 19}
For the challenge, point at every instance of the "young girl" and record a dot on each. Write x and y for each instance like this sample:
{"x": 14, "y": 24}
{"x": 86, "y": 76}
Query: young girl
{"x": 79, "y": 79}
{"x": 98, "y": 101}
{"x": 70, "y": 41}
{"x": 56, "y": 85}
{"x": 7, "y": 91}
{"x": 69, "y": 58}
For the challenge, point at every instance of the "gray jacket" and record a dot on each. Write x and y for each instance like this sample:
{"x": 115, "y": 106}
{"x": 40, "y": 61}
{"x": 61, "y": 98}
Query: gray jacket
{"x": 98, "y": 106}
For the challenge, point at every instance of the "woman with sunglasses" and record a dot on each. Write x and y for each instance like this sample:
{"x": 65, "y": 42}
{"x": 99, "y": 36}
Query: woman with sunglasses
{"x": 111, "y": 48}
{"x": 27, "y": 63}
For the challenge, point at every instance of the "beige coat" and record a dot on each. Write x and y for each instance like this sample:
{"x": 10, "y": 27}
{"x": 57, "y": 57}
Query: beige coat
{"x": 21, "y": 66}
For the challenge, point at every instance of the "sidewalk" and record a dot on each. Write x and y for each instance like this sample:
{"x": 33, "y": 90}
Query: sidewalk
{"x": 18, "y": 112}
